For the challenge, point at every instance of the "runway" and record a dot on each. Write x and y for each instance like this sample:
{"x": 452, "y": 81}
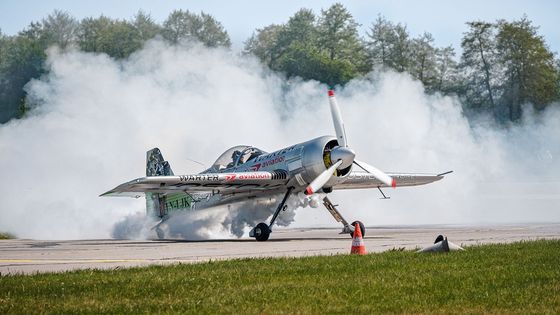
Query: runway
{"x": 21, "y": 256}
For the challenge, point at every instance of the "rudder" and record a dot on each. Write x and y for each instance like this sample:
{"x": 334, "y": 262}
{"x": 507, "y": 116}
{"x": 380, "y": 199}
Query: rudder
{"x": 156, "y": 166}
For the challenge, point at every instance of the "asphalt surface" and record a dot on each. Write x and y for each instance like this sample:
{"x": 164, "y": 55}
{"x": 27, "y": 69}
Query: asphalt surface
{"x": 21, "y": 256}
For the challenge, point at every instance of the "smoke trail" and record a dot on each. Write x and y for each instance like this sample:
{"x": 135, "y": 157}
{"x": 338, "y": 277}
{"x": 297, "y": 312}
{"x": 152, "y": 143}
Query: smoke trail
{"x": 95, "y": 117}
{"x": 214, "y": 223}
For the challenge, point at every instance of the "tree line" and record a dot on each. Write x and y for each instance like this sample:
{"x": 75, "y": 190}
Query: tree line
{"x": 503, "y": 64}
{"x": 22, "y": 57}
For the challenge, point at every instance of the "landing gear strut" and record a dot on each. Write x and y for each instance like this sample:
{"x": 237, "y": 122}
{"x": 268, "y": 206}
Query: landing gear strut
{"x": 347, "y": 228}
{"x": 262, "y": 231}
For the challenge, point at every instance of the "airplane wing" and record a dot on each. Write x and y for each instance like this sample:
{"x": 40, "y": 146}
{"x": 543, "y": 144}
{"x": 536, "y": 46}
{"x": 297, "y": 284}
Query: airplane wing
{"x": 359, "y": 180}
{"x": 222, "y": 182}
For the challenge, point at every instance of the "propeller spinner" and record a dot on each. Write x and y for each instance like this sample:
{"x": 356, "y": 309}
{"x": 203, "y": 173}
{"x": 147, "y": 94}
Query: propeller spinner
{"x": 343, "y": 155}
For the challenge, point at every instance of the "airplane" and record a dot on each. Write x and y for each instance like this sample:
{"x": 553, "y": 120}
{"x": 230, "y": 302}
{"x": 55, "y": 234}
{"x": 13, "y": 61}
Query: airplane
{"x": 244, "y": 173}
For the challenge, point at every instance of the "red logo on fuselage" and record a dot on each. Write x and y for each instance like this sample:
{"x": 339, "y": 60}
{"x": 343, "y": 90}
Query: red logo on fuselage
{"x": 276, "y": 160}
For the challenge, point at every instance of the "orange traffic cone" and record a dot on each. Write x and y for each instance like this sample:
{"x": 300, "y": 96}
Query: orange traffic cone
{"x": 358, "y": 246}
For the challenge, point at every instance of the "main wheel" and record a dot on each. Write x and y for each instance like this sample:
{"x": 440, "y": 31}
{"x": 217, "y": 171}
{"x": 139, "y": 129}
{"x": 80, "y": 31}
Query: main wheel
{"x": 262, "y": 232}
{"x": 362, "y": 228}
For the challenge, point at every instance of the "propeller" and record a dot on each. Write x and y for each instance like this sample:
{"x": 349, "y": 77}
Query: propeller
{"x": 337, "y": 120}
{"x": 322, "y": 179}
{"x": 384, "y": 178}
{"x": 344, "y": 155}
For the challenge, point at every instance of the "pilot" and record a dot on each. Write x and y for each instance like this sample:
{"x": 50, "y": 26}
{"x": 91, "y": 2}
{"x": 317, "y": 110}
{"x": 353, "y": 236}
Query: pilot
{"x": 234, "y": 156}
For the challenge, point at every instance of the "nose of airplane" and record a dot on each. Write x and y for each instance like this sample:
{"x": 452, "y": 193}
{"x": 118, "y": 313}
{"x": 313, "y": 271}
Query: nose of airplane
{"x": 344, "y": 154}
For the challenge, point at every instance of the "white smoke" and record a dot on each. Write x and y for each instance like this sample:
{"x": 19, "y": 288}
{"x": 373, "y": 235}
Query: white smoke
{"x": 213, "y": 223}
{"x": 96, "y": 117}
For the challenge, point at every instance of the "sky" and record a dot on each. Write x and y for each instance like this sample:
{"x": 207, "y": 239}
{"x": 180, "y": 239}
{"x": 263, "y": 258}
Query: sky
{"x": 444, "y": 19}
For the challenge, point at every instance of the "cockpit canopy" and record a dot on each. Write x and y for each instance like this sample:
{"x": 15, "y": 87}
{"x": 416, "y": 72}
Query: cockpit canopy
{"x": 235, "y": 156}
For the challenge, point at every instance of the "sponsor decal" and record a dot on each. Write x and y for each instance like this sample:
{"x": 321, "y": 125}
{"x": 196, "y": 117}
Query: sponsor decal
{"x": 365, "y": 176}
{"x": 275, "y": 154}
{"x": 403, "y": 177}
{"x": 261, "y": 175}
{"x": 270, "y": 162}
{"x": 230, "y": 177}
{"x": 194, "y": 178}
{"x": 220, "y": 186}
{"x": 359, "y": 176}
{"x": 178, "y": 203}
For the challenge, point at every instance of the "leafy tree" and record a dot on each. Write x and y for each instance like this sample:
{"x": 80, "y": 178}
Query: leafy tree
{"x": 530, "y": 73}
{"x": 381, "y": 41}
{"x": 3, "y": 41}
{"x": 22, "y": 59}
{"x": 91, "y": 32}
{"x": 446, "y": 70}
{"x": 178, "y": 26}
{"x": 337, "y": 34}
{"x": 423, "y": 61}
{"x": 264, "y": 45}
{"x": 271, "y": 43}
{"x": 296, "y": 46}
{"x": 557, "y": 80}
{"x": 389, "y": 45}
{"x": 400, "y": 57}
{"x": 181, "y": 25}
{"x": 327, "y": 49}
{"x": 212, "y": 33}
{"x": 59, "y": 28}
{"x": 145, "y": 26}
{"x": 117, "y": 38}
{"x": 300, "y": 29}
{"x": 479, "y": 65}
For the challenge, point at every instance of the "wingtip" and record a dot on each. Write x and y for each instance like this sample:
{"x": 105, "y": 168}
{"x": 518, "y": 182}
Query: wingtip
{"x": 309, "y": 191}
{"x": 331, "y": 93}
{"x": 107, "y": 193}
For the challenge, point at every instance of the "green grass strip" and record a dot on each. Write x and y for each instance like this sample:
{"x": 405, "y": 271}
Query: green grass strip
{"x": 6, "y": 236}
{"x": 518, "y": 278}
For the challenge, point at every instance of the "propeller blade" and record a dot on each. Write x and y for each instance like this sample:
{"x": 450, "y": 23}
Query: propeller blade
{"x": 337, "y": 120}
{"x": 384, "y": 178}
{"x": 322, "y": 179}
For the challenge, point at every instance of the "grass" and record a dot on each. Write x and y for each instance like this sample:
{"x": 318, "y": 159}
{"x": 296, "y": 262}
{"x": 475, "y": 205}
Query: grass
{"x": 6, "y": 236}
{"x": 519, "y": 278}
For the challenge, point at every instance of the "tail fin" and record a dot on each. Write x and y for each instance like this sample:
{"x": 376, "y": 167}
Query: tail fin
{"x": 155, "y": 165}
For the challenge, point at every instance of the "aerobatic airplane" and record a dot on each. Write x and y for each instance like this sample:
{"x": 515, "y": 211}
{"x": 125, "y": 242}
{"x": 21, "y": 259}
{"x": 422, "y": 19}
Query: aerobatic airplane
{"x": 246, "y": 173}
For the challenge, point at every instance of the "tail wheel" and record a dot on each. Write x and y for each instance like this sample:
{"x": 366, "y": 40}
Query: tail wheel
{"x": 262, "y": 232}
{"x": 160, "y": 233}
{"x": 362, "y": 228}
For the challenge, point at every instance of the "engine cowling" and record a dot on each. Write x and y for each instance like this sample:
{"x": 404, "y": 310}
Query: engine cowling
{"x": 321, "y": 153}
